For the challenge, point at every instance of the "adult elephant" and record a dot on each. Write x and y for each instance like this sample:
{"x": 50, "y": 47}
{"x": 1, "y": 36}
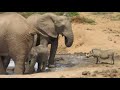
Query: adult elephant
{"x": 16, "y": 40}
{"x": 52, "y": 25}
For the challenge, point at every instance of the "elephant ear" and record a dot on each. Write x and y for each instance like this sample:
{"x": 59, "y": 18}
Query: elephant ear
{"x": 47, "y": 26}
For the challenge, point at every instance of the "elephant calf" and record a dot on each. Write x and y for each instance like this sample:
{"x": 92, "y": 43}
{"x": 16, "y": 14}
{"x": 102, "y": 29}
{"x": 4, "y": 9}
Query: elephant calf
{"x": 36, "y": 55}
{"x": 103, "y": 54}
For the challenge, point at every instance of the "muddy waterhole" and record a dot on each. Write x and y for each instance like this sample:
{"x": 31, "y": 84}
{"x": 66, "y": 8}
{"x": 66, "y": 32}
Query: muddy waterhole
{"x": 63, "y": 62}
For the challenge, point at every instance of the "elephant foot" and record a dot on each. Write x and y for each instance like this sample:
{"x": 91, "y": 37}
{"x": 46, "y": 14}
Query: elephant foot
{"x": 40, "y": 71}
{"x": 51, "y": 66}
{"x": 4, "y": 73}
{"x": 29, "y": 72}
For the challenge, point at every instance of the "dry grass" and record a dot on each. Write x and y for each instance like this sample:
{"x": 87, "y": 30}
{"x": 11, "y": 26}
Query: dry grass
{"x": 84, "y": 20}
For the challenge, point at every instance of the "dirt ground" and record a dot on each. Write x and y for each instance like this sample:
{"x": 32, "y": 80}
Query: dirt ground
{"x": 105, "y": 34}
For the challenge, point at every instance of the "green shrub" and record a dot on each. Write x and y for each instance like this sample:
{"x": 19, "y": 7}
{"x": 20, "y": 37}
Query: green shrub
{"x": 71, "y": 14}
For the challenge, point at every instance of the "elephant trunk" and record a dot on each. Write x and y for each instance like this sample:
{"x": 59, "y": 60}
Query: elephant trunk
{"x": 69, "y": 38}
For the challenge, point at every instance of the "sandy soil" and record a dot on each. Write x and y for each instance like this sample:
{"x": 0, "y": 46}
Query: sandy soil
{"x": 105, "y": 34}
{"x": 91, "y": 71}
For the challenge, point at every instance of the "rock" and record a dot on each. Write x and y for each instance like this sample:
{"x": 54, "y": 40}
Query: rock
{"x": 88, "y": 29}
{"x": 114, "y": 71}
{"x": 105, "y": 75}
{"x": 85, "y": 73}
{"x": 105, "y": 71}
{"x": 107, "y": 65}
{"x": 110, "y": 39}
{"x": 117, "y": 35}
{"x": 94, "y": 75}
{"x": 114, "y": 41}
{"x": 113, "y": 75}
{"x": 96, "y": 72}
{"x": 62, "y": 76}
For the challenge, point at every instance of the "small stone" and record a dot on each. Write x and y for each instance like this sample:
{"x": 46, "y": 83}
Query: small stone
{"x": 96, "y": 72}
{"x": 85, "y": 73}
{"x": 107, "y": 66}
{"x": 112, "y": 75}
{"x": 88, "y": 29}
{"x": 62, "y": 76}
{"x": 93, "y": 74}
{"x": 114, "y": 71}
{"x": 106, "y": 71}
{"x": 114, "y": 41}
{"x": 105, "y": 75}
{"x": 117, "y": 35}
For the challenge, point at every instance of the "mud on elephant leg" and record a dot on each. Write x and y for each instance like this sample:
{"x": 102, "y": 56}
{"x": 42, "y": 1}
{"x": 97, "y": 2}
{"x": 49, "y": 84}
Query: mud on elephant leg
{"x": 29, "y": 67}
{"x": 2, "y": 69}
{"x": 20, "y": 64}
{"x": 6, "y": 61}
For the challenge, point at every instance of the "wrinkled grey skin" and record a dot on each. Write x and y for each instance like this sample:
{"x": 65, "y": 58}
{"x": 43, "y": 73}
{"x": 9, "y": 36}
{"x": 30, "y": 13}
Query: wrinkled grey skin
{"x": 16, "y": 41}
{"x": 52, "y": 25}
{"x": 39, "y": 54}
{"x": 5, "y": 60}
{"x": 35, "y": 56}
{"x": 103, "y": 54}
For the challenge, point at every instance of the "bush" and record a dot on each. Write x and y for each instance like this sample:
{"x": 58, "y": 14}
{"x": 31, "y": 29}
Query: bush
{"x": 116, "y": 18}
{"x": 101, "y": 13}
{"x": 78, "y": 19}
{"x": 71, "y": 14}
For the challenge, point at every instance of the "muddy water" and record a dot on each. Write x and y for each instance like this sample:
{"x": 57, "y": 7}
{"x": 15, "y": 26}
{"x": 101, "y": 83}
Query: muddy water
{"x": 68, "y": 61}
{"x": 62, "y": 62}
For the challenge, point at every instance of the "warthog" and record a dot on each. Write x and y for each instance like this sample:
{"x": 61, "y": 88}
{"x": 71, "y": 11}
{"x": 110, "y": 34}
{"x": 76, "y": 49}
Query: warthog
{"x": 103, "y": 54}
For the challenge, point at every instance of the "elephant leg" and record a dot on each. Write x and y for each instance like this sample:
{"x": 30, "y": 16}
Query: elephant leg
{"x": 20, "y": 64}
{"x": 42, "y": 59}
{"x": 42, "y": 63}
{"x": 39, "y": 62}
{"x": 2, "y": 69}
{"x": 6, "y": 61}
{"x": 53, "y": 50}
{"x": 29, "y": 67}
{"x": 19, "y": 58}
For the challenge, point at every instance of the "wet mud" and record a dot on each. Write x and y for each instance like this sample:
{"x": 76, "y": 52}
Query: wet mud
{"x": 66, "y": 61}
